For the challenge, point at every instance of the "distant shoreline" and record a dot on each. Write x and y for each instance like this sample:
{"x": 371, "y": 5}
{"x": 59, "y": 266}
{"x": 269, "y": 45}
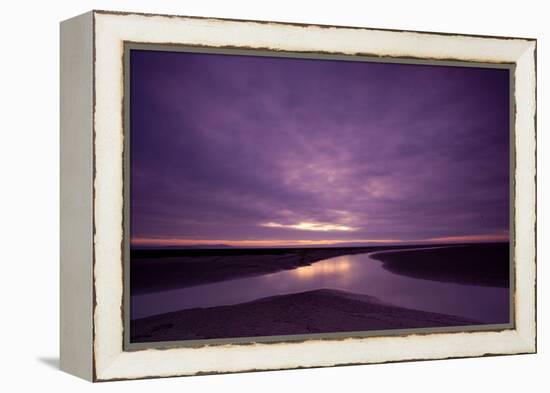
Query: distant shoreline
{"x": 156, "y": 270}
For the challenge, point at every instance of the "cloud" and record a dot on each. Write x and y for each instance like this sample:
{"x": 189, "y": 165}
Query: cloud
{"x": 310, "y": 226}
{"x": 223, "y": 144}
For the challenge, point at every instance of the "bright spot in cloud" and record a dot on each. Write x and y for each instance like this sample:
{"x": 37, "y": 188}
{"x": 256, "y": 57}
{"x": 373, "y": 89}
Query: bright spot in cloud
{"x": 310, "y": 226}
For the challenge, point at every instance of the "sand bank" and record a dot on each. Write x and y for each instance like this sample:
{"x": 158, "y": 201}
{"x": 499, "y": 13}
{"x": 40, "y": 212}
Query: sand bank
{"x": 318, "y": 311}
{"x": 486, "y": 264}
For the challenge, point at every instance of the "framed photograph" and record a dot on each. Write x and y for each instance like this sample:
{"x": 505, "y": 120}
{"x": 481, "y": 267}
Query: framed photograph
{"x": 246, "y": 195}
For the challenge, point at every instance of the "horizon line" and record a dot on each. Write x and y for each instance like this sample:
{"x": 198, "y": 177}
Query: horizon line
{"x": 172, "y": 242}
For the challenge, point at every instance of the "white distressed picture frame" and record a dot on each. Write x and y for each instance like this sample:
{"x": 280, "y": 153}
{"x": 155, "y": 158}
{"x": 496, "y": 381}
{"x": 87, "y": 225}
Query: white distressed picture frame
{"x": 92, "y": 143}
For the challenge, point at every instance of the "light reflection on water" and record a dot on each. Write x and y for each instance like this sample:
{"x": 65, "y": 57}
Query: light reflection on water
{"x": 339, "y": 266}
{"x": 353, "y": 273}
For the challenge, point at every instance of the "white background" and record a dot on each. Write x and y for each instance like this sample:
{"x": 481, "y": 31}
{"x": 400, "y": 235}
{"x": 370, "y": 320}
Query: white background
{"x": 29, "y": 224}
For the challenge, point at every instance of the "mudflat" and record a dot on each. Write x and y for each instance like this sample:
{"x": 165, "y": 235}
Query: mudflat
{"x": 485, "y": 264}
{"x": 318, "y": 311}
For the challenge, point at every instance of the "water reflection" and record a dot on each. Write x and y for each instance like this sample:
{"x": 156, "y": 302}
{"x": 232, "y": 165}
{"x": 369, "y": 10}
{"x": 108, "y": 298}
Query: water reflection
{"x": 327, "y": 267}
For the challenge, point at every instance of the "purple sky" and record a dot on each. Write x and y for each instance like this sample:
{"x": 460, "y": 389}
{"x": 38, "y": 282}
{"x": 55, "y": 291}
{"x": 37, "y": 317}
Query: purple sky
{"x": 250, "y": 150}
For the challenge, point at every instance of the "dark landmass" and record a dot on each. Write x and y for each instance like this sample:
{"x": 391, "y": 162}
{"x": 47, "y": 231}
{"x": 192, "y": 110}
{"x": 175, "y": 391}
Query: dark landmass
{"x": 139, "y": 248}
{"x": 319, "y": 311}
{"x": 155, "y": 270}
{"x": 486, "y": 264}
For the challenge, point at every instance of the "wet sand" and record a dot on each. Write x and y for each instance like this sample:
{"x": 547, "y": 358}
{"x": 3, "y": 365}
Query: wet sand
{"x": 319, "y": 311}
{"x": 475, "y": 264}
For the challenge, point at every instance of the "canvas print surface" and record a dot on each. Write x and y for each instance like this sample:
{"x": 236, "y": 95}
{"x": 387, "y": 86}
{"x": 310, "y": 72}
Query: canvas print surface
{"x": 283, "y": 196}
